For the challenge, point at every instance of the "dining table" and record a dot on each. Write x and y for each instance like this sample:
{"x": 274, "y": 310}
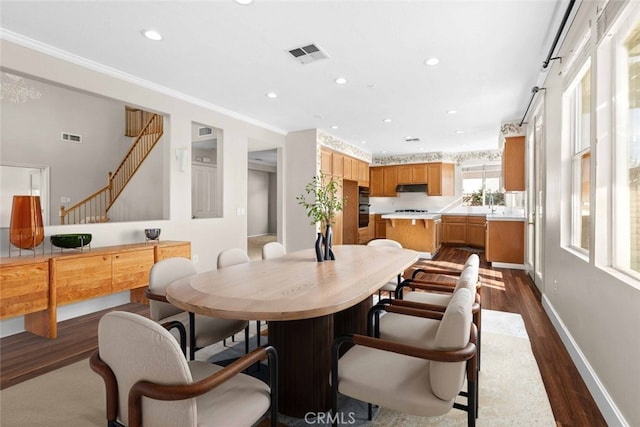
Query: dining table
{"x": 306, "y": 304}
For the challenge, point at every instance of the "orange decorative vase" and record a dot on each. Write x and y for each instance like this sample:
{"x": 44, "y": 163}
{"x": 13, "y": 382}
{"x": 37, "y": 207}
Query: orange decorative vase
{"x": 26, "y": 230}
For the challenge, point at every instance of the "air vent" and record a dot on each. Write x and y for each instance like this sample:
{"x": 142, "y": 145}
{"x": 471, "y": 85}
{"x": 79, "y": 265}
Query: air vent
{"x": 308, "y": 54}
{"x": 205, "y": 131}
{"x": 71, "y": 137}
{"x": 411, "y": 139}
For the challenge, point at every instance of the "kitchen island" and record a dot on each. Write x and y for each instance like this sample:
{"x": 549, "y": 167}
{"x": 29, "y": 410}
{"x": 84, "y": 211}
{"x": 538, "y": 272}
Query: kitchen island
{"x": 415, "y": 230}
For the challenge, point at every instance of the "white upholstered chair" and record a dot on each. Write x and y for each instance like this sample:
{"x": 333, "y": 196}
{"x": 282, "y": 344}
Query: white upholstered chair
{"x": 149, "y": 382}
{"x": 203, "y": 330}
{"x": 419, "y": 380}
{"x": 390, "y": 286}
{"x": 231, "y": 257}
{"x": 273, "y": 250}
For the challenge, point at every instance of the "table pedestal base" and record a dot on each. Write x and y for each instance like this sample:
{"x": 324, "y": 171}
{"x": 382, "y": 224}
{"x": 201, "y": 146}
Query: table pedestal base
{"x": 304, "y": 358}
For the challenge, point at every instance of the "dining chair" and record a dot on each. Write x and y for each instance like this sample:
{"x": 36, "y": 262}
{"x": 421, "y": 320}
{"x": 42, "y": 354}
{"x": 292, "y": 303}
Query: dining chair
{"x": 392, "y": 285}
{"x": 273, "y": 250}
{"x": 203, "y": 330}
{"x": 149, "y": 382}
{"x": 234, "y": 256}
{"x": 422, "y": 380}
{"x": 436, "y": 294}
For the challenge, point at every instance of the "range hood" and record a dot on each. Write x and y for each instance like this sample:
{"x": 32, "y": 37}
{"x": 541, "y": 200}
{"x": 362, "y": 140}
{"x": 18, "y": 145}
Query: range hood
{"x": 411, "y": 188}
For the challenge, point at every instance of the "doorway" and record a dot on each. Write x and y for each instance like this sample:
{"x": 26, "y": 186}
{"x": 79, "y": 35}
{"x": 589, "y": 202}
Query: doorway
{"x": 262, "y": 200}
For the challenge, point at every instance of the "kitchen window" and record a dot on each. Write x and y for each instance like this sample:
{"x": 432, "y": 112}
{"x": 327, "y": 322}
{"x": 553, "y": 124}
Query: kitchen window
{"x": 481, "y": 186}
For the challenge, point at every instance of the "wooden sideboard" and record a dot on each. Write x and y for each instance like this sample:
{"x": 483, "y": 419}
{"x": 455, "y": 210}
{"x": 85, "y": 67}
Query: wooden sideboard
{"x": 36, "y": 286}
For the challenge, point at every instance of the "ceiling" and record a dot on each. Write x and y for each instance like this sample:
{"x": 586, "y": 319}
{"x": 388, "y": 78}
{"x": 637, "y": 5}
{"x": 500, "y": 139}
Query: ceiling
{"x": 230, "y": 56}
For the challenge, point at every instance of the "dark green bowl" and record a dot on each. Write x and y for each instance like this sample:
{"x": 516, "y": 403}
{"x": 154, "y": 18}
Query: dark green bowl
{"x": 70, "y": 240}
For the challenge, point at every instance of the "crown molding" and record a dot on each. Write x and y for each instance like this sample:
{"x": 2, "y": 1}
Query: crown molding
{"x": 52, "y": 51}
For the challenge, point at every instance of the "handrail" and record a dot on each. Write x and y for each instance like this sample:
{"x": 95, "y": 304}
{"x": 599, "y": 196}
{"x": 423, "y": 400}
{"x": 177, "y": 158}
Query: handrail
{"x": 96, "y": 207}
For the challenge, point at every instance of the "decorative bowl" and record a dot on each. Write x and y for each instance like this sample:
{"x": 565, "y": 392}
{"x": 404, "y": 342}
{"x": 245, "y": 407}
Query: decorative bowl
{"x": 152, "y": 233}
{"x": 70, "y": 240}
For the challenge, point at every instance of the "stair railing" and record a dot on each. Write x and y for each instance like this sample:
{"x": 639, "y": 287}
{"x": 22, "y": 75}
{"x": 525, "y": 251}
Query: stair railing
{"x": 95, "y": 208}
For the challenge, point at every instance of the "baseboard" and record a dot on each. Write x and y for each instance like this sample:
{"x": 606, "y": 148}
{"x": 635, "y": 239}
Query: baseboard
{"x": 600, "y": 395}
{"x": 507, "y": 265}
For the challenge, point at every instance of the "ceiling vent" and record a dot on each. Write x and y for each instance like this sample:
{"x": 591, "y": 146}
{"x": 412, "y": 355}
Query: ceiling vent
{"x": 308, "y": 54}
{"x": 411, "y": 139}
{"x": 205, "y": 131}
{"x": 71, "y": 137}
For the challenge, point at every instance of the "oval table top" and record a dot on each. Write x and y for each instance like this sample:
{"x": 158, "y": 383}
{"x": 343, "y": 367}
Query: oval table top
{"x": 291, "y": 287}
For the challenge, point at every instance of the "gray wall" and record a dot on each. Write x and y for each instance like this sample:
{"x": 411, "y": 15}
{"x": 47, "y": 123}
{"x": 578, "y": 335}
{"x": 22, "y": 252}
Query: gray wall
{"x": 261, "y": 200}
{"x": 31, "y": 134}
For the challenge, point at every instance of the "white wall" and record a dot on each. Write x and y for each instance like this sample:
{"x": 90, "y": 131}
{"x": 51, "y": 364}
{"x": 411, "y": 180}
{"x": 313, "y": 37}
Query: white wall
{"x": 596, "y": 311}
{"x": 258, "y": 203}
{"x": 208, "y": 236}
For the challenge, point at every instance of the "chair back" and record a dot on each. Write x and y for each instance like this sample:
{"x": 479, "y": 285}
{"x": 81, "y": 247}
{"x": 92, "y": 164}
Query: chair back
{"x": 232, "y": 256}
{"x": 385, "y": 242}
{"x": 453, "y": 334}
{"x": 273, "y": 250}
{"x": 137, "y": 348}
{"x": 468, "y": 278}
{"x": 162, "y": 274}
{"x": 473, "y": 260}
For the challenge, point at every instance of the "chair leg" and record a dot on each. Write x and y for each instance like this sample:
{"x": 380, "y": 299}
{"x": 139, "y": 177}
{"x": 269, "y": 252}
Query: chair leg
{"x": 370, "y": 408}
{"x": 246, "y": 340}
{"x": 258, "y": 333}
{"x": 192, "y": 336}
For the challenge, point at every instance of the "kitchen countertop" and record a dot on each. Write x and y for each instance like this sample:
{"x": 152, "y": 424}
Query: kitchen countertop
{"x": 506, "y": 217}
{"x": 416, "y": 215}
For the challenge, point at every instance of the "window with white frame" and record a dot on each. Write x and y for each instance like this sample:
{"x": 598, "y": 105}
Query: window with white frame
{"x": 577, "y": 110}
{"x": 481, "y": 185}
{"x": 626, "y": 159}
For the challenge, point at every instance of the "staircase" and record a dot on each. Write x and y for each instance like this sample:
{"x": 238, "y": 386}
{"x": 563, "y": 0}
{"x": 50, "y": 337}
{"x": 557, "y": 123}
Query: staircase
{"x": 95, "y": 208}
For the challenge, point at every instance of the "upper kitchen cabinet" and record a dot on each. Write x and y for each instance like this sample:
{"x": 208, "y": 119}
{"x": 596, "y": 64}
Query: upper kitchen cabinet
{"x": 440, "y": 179}
{"x": 383, "y": 181}
{"x": 326, "y": 161}
{"x": 412, "y": 174}
{"x": 513, "y": 164}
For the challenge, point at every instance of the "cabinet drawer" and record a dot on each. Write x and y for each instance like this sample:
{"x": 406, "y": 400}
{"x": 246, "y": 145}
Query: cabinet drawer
{"x": 24, "y": 289}
{"x": 82, "y": 278}
{"x": 454, "y": 218}
{"x": 131, "y": 269}
{"x": 476, "y": 220}
{"x": 164, "y": 252}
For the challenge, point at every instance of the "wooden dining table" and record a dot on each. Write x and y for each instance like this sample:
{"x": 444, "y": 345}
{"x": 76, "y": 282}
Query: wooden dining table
{"x": 307, "y": 303}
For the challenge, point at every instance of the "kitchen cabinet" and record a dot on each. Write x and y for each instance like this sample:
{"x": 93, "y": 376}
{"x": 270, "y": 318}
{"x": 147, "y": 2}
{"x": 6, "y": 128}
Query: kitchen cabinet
{"x": 389, "y": 181}
{"x": 505, "y": 241}
{"x": 380, "y": 227}
{"x": 337, "y": 164}
{"x": 326, "y": 161}
{"x": 35, "y": 287}
{"x": 440, "y": 179}
{"x": 412, "y": 174}
{"x": 347, "y": 168}
{"x": 476, "y": 231}
{"x": 464, "y": 230}
{"x": 419, "y": 234}
{"x": 363, "y": 174}
{"x": 513, "y": 164}
{"x": 454, "y": 229}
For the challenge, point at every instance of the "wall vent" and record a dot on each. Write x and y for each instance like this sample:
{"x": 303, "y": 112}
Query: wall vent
{"x": 205, "y": 131}
{"x": 411, "y": 139}
{"x": 307, "y": 54}
{"x": 71, "y": 137}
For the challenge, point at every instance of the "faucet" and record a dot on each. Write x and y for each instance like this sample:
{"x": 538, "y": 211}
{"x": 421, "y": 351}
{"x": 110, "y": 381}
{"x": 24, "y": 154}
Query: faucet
{"x": 492, "y": 208}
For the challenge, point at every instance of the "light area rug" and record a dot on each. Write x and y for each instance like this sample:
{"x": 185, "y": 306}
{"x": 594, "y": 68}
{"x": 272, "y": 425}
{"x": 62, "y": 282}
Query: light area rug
{"x": 511, "y": 389}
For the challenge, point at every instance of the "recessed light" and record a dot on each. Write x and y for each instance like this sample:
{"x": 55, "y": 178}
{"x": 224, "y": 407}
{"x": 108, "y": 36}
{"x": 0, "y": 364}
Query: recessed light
{"x": 334, "y": 127}
{"x": 451, "y": 112}
{"x": 340, "y": 81}
{"x": 432, "y": 61}
{"x": 243, "y": 2}
{"x": 363, "y": 142}
{"x": 271, "y": 95}
{"x": 384, "y": 152}
{"x": 459, "y": 132}
{"x": 152, "y": 35}
{"x": 386, "y": 120}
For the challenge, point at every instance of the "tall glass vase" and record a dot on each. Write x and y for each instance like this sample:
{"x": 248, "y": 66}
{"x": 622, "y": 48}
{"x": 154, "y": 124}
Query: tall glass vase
{"x": 328, "y": 241}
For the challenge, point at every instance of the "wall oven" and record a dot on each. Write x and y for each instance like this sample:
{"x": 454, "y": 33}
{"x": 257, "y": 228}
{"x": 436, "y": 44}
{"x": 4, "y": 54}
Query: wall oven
{"x": 363, "y": 207}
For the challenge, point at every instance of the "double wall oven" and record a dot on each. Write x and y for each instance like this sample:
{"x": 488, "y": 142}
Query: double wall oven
{"x": 363, "y": 207}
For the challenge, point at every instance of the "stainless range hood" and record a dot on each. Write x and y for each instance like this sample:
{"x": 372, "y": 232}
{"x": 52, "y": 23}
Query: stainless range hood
{"x": 411, "y": 188}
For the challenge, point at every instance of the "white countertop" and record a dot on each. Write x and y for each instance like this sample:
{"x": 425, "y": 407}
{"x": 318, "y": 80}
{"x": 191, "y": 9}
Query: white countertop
{"x": 409, "y": 215}
{"x": 505, "y": 217}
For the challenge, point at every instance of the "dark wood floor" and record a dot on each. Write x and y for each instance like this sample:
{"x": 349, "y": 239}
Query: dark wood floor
{"x": 25, "y": 355}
